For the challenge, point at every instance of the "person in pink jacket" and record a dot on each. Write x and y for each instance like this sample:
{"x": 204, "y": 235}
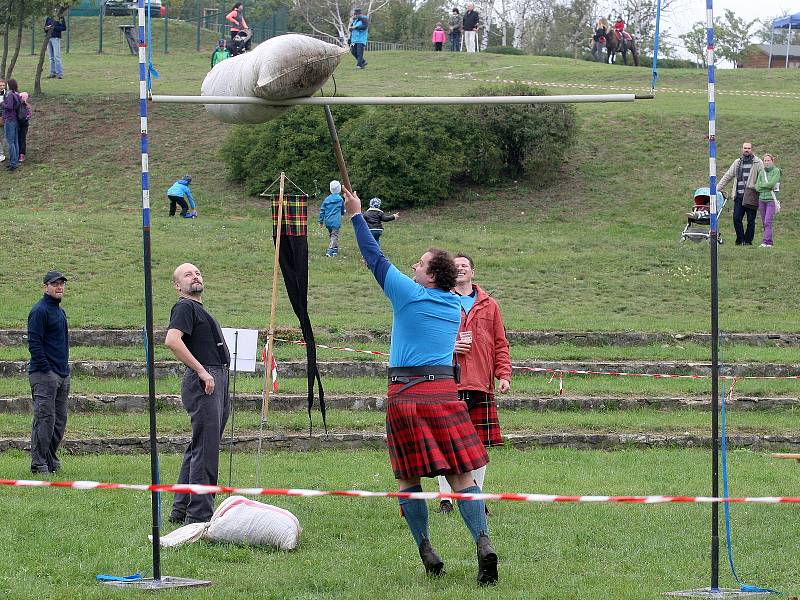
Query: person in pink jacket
{"x": 438, "y": 38}
{"x": 482, "y": 351}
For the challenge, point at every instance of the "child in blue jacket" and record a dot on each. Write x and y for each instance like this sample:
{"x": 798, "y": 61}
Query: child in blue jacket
{"x": 330, "y": 215}
{"x": 176, "y": 194}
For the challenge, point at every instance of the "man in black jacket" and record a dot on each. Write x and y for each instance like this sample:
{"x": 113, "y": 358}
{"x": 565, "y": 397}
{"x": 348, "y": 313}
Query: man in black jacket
{"x": 48, "y": 373}
{"x": 471, "y": 26}
{"x": 55, "y": 27}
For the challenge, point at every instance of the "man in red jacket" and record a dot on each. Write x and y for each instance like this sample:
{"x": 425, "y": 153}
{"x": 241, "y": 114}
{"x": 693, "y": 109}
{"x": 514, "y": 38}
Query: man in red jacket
{"x": 482, "y": 350}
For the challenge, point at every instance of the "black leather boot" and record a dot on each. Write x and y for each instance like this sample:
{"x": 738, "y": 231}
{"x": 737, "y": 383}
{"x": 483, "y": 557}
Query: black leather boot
{"x": 434, "y": 566}
{"x": 487, "y": 561}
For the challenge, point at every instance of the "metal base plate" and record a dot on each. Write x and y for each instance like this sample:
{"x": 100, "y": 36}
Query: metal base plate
{"x": 718, "y": 593}
{"x": 165, "y": 583}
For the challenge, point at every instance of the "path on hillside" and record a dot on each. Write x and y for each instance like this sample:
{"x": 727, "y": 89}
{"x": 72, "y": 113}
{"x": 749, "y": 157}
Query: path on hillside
{"x": 602, "y": 87}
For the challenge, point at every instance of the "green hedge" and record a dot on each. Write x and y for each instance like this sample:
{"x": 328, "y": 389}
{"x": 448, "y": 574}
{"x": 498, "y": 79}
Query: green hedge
{"x": 409, "y": 155}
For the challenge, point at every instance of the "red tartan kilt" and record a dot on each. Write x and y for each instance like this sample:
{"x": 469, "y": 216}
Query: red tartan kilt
{"x": 484, "y": 417}
{"x": 429, "y": 432}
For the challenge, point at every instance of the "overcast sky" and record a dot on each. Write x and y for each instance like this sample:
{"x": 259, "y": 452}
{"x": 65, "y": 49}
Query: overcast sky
{"x": 687, "y": 12}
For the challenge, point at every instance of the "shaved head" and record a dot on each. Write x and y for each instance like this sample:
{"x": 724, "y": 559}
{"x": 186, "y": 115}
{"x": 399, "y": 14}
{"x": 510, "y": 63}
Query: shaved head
{"x": 188, "y": 281}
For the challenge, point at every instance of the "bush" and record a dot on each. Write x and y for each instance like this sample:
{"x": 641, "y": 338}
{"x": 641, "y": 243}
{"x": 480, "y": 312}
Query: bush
{"x": 533, "y": 137}
{"x": 407, "y": 155}
{"x": 410, "y": 155}
{"x": 297, "y": 143}
{"x": 504, "y": 50}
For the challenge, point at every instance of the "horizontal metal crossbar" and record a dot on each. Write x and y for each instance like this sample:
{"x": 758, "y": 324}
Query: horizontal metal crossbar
{"x": 402, "y": 100}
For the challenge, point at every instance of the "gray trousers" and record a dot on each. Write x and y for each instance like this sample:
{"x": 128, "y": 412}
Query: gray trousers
{"x": 208, "y": 414}
{"x": 50, "y": 392}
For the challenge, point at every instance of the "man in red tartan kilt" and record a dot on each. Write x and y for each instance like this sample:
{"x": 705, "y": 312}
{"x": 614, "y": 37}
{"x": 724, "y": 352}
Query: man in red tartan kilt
{"x": 428, "y": 429}
{"x": 482, "y": 351}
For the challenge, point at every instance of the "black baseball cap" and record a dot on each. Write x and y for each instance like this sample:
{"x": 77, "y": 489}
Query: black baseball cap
{"x": 52, "y": 276}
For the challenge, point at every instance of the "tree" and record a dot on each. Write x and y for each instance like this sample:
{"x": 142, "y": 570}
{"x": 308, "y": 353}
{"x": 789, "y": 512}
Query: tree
{"x": 695, "y": 42}
{"x": 47, "y": 8}
{"x": 640, "y": 19}
{"x": 327, "y": 16}
{"x": 765, "y": 33}
{"x": 732, "y": 37}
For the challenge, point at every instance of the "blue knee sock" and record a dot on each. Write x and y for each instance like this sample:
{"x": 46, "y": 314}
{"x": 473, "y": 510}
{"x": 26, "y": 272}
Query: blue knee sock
{"x": 416, "y": 515}
{"x": 473, "y": 512}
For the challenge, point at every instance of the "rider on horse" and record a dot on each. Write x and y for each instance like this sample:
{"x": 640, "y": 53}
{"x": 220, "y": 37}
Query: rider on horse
{"x": 622, "y": 35}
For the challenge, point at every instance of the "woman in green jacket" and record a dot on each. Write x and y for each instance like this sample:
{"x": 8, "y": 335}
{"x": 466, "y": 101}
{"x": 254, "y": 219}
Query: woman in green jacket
{"x": 767, "y": 186}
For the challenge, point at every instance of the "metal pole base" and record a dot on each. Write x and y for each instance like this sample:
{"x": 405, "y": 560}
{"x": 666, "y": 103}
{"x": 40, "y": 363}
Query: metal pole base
{"x": 717, "y": 593}
{"x": 165, "y": 583}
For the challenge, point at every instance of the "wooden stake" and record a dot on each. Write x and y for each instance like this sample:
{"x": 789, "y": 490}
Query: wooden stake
{"x": 271, "y": 330}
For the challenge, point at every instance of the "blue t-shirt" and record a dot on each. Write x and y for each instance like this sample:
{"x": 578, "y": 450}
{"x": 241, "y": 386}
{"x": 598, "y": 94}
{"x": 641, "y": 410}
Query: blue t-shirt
{"x": 425, "y": 322}
{"x": 468, "y": 301}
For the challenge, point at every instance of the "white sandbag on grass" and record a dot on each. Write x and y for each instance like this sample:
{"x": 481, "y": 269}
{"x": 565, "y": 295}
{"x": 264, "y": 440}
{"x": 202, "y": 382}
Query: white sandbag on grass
{"x": 283, "y": 67}
{"x": 239, "y": 520}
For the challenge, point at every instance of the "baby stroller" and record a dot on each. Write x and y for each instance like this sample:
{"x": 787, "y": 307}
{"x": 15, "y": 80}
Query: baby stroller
{"x": 240, "y": 42}
{"x": 698, "y": 226}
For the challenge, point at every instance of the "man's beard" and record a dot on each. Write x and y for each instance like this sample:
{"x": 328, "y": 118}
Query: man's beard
{"x": 195, "y": 288}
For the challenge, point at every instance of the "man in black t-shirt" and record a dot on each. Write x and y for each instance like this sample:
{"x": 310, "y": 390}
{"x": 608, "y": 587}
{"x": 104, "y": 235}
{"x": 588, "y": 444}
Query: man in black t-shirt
{"x": 195, "y": 338}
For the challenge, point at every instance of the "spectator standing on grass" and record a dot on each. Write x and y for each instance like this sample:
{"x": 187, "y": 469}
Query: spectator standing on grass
{"x": 428, "y": 430}
{"x": 220, "y": 53}
{"x": 176, "y": 194}
{"x": 471, "y": 26}
{"x": 236, "y": 19}
{"x": 455, "y": 31}
{"x": 767, "y": 186}
{"x": 744, "y": 173}
{"x": 359, "y": 34}
{"x": 3, "y": 144}
{"x": 438, "y": 37}
{"x": 375, "y": 218}
{"x": 599, "y": 39}
{"x": 48, "y": 373}
{"x": 55, "y": 27}
{"x": 482, "y": 353}
{"x": 11, "y": 104}
{"x": 330, "y": 216}
{"x": 195, "y": 338}
{"x": 22, "y": 136}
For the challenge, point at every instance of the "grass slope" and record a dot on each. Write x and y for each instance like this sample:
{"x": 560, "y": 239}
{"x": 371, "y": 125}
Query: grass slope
{"x": 597, "y": 250}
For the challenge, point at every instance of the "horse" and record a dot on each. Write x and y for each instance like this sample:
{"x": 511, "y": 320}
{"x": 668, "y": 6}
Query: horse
{"x": 614, "y": 45}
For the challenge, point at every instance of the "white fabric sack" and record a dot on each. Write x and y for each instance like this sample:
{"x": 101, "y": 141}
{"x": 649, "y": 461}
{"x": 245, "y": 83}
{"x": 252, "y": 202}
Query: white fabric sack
{"x": 239, "y": 520}
{"x": 283, "y": 67}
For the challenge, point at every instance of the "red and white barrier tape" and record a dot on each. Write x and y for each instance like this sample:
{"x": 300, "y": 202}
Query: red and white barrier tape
{"x": 342, "y": 348}
{"x": 218, "y": 489}
{"x": 652, "y": 375}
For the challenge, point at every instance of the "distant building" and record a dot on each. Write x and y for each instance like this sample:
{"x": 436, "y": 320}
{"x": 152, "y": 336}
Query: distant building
{"x": 757, "y": 56}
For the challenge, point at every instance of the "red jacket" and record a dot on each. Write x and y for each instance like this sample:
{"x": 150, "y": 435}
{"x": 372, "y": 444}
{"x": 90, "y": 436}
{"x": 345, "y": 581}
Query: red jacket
{"x": 488, "y": 359}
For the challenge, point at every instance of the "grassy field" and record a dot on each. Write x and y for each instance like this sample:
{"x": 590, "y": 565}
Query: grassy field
{"x": 175, "y": 422}
{"x": 598, "y": 250}
{"x": 668, "y": 352}
{"x": 574, "y": 385}
{"x": 361, "y": 548}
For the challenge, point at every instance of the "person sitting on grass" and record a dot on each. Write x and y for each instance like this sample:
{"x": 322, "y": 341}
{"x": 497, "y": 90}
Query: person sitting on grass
{"x": 176, "y": 194}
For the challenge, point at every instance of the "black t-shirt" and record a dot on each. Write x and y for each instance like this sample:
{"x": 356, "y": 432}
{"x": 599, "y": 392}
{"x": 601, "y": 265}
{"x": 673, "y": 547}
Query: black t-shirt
{"x": 201, "y": 333}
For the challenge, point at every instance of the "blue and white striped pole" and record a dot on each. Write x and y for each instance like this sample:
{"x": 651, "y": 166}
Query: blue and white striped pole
{"x": 714, "y": 243}
{"x": 148, "y": 287}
